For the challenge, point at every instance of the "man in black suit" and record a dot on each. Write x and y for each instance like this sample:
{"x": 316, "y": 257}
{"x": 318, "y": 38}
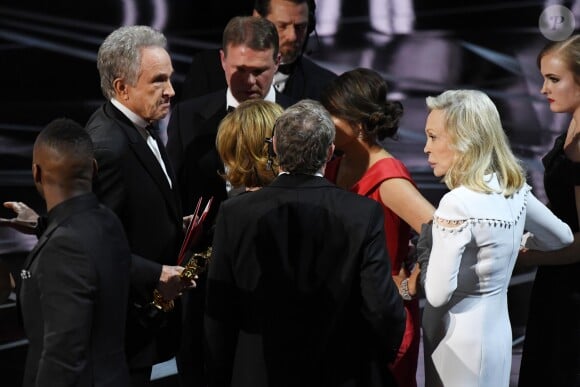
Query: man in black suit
{"x": 250, "y": 58}
{"x": 299, "y": 289}
{"x": 297, "y": 76}
{"x": 73, "y": 294}
{"x": 136, "y": 181}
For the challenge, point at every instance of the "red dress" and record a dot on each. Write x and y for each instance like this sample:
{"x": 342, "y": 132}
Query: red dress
{"x": 397, "y": 234}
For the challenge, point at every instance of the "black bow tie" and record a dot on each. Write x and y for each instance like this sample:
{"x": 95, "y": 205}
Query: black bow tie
{"x": 153, "y": 130}
{"x": 230, "y": 109}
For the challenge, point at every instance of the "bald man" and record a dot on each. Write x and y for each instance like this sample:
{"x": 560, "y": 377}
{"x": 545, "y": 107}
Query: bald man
{"x": 75, "y": 281}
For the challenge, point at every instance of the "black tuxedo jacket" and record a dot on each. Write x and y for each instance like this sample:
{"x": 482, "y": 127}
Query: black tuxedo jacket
{"x": 299, "y": 289}
{"x": 73, "y": 298}
{"x": 131, "y": 182}
{"x": 307, "y": 79}
{"x": 191, "y": 132}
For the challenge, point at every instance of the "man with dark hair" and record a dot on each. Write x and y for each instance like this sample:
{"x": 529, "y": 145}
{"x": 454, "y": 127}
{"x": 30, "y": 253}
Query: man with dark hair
{"x": 73, "y": 295}
{"x": 299, "y": 289}
{"x": 249, "y": 58}
{"x": 297, "y": 76}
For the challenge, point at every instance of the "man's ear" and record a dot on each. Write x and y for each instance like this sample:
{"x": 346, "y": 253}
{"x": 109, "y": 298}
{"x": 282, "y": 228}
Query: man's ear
{"x": 223, "y": 58}
{"x": 330, "y": 152}
{"x": 121, "y": 90}
{"x": 95, "y": 168}
{"x": 256, "y": 13}
{"x": 36, "y": 174}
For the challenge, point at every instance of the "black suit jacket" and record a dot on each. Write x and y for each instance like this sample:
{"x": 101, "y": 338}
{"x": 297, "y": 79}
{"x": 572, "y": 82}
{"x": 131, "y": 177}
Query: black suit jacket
{"x": 74, "y": 298}
{"x": 191, "y": 132}
{"x": 307, "y": 79}
{"x": 300, "y": 291}
{"x": 131, "y": 182}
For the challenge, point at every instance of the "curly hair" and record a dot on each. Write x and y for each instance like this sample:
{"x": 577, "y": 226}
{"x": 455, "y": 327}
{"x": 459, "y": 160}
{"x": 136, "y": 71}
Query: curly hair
{"x": 303, "y": 135}
{"x": 241, "y": 144}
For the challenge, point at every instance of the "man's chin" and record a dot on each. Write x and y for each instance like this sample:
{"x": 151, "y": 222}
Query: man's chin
{"x": 248, "y": 96}
{"x": 289, "y": 59}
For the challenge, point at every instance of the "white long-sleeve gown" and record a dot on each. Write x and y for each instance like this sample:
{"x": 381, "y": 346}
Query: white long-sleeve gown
{"x": 476, "y": 237}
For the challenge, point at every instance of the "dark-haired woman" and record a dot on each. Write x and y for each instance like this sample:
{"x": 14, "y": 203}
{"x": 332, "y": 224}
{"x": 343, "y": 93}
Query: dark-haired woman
{"x": 363, "y": 117}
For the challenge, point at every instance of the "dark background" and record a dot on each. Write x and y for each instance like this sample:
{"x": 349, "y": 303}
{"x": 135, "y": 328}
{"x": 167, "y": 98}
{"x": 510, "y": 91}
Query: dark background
{"x": 47, "y": 69}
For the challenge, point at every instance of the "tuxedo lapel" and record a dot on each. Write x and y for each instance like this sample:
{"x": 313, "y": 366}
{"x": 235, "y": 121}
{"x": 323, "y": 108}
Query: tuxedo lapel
{"x": 58, "y": 215}
{"x": 41, "y": 242}
{"x": 284, "y": 100}
{"x": 144, "y": 154}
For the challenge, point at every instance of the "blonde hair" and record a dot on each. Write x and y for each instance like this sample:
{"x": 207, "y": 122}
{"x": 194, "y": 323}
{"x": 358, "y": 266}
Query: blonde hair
{"x": 482, "y": 147}
{"x": 241, "y": 143}
{"x": 568, "y": 50}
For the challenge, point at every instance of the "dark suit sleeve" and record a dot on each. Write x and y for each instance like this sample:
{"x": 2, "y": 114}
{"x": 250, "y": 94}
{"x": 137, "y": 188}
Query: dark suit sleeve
{"x": 220, "y": 325}
{"x": 67, "y": 283}
{"x": 110, "y": 188}
{"x": 382, "y": 304}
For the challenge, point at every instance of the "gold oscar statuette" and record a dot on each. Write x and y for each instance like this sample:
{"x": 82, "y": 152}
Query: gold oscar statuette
{"x": 196, "y": 265}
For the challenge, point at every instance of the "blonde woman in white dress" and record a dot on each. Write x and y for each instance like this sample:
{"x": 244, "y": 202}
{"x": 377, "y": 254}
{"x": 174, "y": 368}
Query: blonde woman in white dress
{"x": 477, "y": 231}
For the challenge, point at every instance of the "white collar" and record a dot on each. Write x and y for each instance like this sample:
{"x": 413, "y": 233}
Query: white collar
{"x": 288, "y": 173}
{"x": 134, "y": 118}
{"x": 233, "y": 102}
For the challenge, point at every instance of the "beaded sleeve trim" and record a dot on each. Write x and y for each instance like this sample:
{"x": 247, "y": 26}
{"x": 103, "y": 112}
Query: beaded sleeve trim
{"x": 458, "y": 225}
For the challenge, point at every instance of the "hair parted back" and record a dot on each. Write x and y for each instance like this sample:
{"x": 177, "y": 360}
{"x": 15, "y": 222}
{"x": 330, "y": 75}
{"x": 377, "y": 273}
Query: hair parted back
{"x": 568, "y": 50}
{"x": 263, "y": 7}
{"x": 119, "y": 55}
{"x": 359, "y": 97}
{"x": 303, "y": 135}
{"x": 482, "y": 147}
{"x": 254, "y": 32}
{"x": 241, "y": 144}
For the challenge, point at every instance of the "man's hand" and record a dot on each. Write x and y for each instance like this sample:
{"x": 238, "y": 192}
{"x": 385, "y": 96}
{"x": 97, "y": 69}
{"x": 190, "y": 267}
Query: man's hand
{"x": 171, "y": 285}
{"x": 187, "y": 221}
{"x": 26, "y": 218}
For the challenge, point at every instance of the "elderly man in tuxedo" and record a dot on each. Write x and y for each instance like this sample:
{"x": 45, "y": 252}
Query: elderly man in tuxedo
{"x": 299, "y": 289}
{"x": 136, "y": 181}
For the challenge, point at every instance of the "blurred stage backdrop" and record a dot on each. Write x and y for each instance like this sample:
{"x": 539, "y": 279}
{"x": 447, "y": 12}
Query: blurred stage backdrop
{"x": 48, "y": 52}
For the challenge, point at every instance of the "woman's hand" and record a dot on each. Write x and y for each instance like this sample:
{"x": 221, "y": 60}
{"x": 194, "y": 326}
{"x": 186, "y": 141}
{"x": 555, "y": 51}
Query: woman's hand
{"x": 407, "y": 282}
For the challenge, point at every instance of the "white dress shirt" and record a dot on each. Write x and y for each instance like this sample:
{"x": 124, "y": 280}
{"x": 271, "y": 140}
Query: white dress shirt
{"x": 141, "y": 125}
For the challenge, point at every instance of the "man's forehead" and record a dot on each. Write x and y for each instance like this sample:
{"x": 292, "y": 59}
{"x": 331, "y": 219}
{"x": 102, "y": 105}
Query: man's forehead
{"x": 241, "y": 52}
{"x": 286, "y": 10}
